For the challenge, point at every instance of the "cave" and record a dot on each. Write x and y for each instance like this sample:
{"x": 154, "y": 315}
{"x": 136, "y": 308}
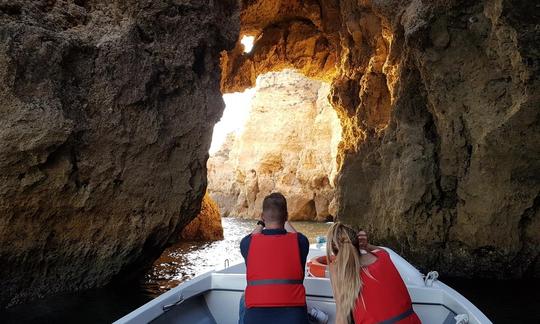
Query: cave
{"x": 420, "y": 158}
{"x": 108, "y": 112}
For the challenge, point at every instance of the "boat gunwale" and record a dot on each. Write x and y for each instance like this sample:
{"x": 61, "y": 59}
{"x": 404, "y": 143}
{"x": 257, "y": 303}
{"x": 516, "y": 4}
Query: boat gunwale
{"x": 218, "y": 280}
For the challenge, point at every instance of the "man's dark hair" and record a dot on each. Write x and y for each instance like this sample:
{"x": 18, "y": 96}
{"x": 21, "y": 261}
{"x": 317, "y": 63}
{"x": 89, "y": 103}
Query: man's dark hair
{"x": 275, "y": 207}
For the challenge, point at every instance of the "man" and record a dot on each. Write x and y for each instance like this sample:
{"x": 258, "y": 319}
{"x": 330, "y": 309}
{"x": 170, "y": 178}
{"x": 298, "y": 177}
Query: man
{"x": 275, "y": 256}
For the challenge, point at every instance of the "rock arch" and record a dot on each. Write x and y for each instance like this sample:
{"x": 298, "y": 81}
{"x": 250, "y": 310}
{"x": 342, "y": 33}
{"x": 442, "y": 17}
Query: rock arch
{"x": 108, "y": 109}
{"x": 429, "y": 97}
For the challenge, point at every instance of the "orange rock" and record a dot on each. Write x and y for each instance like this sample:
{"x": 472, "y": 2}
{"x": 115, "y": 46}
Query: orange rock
{"x": 207, "y": 225}
{"x": 438, "y": 105}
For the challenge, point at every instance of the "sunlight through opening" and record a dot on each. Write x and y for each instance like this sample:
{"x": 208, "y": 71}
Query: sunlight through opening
{"x": 235, "y": 115}
{"x": 247, "y": 41}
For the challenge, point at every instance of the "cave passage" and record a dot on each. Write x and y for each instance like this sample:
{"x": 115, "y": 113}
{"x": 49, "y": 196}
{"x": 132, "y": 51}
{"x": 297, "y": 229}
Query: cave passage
{"x": 282, "y": 135}
{"x": 108, "y": 109}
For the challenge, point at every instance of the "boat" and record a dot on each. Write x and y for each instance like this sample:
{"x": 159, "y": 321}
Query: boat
{"x": 213, "y": 297}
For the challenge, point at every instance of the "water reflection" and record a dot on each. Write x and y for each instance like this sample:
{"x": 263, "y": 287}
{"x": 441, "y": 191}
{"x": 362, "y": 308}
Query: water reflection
{"x": 186, "y": 260}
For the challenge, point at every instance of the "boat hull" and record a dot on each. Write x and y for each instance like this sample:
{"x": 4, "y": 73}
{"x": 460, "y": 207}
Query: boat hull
{"x": 214, "y": 298}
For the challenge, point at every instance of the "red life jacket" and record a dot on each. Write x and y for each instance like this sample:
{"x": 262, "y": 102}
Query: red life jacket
{"x": 384, "y": 297}
{"x": 274, "y": 275}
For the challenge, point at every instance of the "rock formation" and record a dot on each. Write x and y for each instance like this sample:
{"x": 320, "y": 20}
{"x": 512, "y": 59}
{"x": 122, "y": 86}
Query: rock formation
{"x": 438, "y": 102}
{"x": 107, "y": 109}
{"x": 297, "y": 34}
{"x": 289, "y": 144}
{"x": 207, "y": 225}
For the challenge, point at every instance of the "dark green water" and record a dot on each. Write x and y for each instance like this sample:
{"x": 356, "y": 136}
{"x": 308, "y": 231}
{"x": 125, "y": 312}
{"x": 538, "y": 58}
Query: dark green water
{"x": 502, "y": 301}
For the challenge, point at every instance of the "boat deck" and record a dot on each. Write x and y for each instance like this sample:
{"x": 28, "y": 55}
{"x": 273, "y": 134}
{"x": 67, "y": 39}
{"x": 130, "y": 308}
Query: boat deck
{"x": 214, "y": 297}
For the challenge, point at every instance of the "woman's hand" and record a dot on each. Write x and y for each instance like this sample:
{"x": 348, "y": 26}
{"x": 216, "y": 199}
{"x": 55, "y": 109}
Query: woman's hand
{"x": 362, "y": 239}
{"x": 363, "y": 242}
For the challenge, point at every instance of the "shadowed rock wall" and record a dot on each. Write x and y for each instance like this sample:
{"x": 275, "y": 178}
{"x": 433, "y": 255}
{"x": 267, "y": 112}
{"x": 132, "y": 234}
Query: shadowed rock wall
{"x": 107, "y": 109}
{"x": 438, "y": 102}
{"x": 453, "y": 180}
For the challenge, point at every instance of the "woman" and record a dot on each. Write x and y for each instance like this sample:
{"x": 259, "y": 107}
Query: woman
{"x": 367, "y": 287}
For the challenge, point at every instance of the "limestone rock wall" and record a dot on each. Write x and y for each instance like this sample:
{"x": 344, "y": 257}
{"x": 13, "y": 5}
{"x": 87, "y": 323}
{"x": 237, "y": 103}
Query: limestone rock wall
{"x": 438, "y": 103}
{"x": 289, "y": 144}
{"x": 207, "y": 225}
{"x": 452, "y": 181}
{"x": 107, "y": 109}
{"x": 293, "y": 34}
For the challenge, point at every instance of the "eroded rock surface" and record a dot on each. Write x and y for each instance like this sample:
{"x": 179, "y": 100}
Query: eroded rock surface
{"x": 289, "y": 144}
{"x": 207, "y": 225}
{"x": 438, "y": 102}
{"x": 289, "y": 34}
{"x": 107, "y": 109}
{"x": 453, "y": 181}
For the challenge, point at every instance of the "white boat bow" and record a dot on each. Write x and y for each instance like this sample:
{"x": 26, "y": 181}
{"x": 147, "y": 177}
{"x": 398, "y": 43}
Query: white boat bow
{"x": 213, "y": 298}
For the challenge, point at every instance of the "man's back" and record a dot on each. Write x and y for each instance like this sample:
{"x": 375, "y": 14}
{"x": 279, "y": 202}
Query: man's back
{"x": 269, "y": 314}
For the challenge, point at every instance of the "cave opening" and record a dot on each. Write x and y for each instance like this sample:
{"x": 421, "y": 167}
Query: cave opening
{"x": 247, "y": 41}
{"x": 281, "y": 135}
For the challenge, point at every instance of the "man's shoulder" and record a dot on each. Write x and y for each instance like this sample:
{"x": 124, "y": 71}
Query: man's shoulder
{"x": 303, "y": 240}
{"x": 245, "y": 239}
{"x": 244, "y": 245}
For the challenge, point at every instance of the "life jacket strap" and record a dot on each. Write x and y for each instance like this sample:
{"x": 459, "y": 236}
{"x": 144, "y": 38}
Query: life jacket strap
{"x": 399, "y": 317}
{"x": 275, "y": 282}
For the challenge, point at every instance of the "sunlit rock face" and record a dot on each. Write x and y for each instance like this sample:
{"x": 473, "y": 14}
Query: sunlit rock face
{"x": 438, "y": 102}
{"x": 289, "y": 144}
{"x": 295, "y": 34}
{"x": 207, "y": 225}
{"x": 107, "y": 109}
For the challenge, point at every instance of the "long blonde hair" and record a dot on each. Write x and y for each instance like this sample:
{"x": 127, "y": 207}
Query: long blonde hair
{"x": 342, "y": 243}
